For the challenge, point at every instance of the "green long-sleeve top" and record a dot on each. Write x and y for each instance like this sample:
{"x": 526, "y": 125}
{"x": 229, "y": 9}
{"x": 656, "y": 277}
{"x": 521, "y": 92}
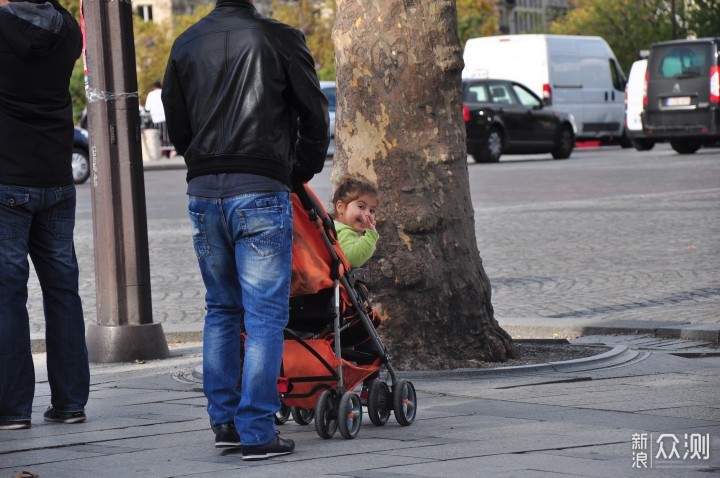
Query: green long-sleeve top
{"x": 357, "y": 249}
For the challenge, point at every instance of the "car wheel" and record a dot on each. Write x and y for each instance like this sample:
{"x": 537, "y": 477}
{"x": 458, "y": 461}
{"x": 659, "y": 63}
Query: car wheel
{"x": 493, "y": 147}
{"x": 625, "y": 142}
{"x": 80, "y": 166}
{"x": 685, "y": 146}
{"x": 643, "y": 144}
{"x": 565, "y": 144}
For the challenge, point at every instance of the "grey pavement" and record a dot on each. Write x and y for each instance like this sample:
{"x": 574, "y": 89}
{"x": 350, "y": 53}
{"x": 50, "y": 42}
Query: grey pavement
{"x": 642, "y": 265}
{"x": 618, "y": 414}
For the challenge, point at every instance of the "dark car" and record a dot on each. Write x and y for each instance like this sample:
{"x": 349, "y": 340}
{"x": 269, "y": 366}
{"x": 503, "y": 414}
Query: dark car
{"x": 682, "y": 102}
{"x": 80, "y": 156}
{"x": 505, "y": 117}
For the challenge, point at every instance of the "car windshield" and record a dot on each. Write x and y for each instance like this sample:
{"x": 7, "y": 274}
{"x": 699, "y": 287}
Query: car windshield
{"x": 681, "y": 61}
{"x": 525, "y": 97}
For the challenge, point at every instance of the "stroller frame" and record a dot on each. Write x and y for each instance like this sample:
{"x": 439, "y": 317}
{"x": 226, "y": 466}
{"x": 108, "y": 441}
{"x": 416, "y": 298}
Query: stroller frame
{"x": 339, "y": 407}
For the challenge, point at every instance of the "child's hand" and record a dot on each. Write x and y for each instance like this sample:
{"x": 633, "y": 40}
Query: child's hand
{"x": 370, "y": 222}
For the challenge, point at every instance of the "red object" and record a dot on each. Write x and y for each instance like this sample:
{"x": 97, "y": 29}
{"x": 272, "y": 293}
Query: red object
{"x": 645, "y": 92}
{"x": 714, "y": 84}
{"x": 310, "y": 256}
{"x": 283, "y": 384}
{"x": 466, "y": 113}
{"x": 547, "y": 94}
{"x": 309, "y": 365}
{"x": 309, "y": 368}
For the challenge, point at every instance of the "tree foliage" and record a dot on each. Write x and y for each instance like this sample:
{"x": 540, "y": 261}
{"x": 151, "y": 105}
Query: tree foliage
{"x": 703, "y": 18}
{"x": 476, "y": 18}
{"x": 153, "y": 41}
{"x": 627, "y": 25}
{"x": 315, "y": 18}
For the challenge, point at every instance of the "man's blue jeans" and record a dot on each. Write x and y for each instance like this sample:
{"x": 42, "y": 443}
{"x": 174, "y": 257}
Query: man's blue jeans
{"x": 244, "y": 248}
{"x": 39, "y": 222}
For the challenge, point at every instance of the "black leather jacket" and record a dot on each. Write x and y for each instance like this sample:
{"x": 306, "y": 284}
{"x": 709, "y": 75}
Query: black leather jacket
{"x": 241, "y": 95}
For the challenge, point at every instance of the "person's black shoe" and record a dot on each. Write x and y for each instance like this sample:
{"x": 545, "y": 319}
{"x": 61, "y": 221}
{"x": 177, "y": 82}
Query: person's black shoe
{"x": 226, "y": 436}
{"x": 52, "y": 415}
{"x": 275, "y": 447}
{"x": 14, "y": 425}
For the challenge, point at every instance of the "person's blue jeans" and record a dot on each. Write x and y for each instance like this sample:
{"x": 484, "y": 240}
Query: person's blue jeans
{"x": 244, "y": 249}
{"x": 39, "y": 222}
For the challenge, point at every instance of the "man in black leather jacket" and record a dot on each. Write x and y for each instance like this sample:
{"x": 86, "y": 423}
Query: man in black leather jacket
{"x": 243, "y": 105}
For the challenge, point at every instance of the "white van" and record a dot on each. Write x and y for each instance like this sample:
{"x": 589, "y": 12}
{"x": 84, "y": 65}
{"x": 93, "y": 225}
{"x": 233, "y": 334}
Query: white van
{"x": 634, "y": 93}
{"x": 576, "y": 74}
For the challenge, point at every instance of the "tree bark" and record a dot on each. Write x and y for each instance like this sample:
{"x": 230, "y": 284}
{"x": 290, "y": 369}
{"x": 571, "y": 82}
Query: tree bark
{"x": 399, "y": 125}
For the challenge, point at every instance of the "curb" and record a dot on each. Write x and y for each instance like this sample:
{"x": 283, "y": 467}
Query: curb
{"x": 699, "y": 332}
{"x": 618, "y": 355}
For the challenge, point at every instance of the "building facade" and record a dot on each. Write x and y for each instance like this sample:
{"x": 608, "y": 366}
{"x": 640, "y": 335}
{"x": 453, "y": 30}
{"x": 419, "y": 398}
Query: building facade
{"x": 529, "y": 16}
{"x": 165, "y": 10}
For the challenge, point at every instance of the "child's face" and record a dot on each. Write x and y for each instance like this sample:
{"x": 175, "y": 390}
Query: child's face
{"x": 358, "y": 214}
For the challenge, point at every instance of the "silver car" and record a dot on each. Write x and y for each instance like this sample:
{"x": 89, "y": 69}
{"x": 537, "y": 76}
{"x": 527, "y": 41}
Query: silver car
{"x": 329, "y": 89}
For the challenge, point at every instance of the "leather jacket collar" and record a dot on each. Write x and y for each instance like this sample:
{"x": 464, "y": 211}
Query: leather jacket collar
{"x": 235, "y": 3}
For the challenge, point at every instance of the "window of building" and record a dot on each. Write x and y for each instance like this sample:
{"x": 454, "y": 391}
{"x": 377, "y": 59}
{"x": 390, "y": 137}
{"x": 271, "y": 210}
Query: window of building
{"x": 145, "y": 12}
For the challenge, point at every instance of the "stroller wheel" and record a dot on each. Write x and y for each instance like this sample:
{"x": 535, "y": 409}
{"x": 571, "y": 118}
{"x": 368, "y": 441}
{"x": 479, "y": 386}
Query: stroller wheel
{"x": 404, "y": 402}
{"x": 349, "y": 415}
{"x": 379, "y": 400}
{"x": 326, "y": 414}
{"x": 282, "y": 415}
{"x": 302, "y": 416}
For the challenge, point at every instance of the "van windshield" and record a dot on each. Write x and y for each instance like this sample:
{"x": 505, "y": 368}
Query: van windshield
{"x": 681, "y": 61}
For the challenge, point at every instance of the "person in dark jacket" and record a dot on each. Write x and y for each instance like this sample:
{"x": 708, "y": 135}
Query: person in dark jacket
{"x": 244, "y": 108}
{"x": 39, "y": 44}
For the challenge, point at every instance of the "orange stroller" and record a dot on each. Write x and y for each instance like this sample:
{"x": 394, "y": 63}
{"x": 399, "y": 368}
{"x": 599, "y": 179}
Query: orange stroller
{"x": 331, "y": 344}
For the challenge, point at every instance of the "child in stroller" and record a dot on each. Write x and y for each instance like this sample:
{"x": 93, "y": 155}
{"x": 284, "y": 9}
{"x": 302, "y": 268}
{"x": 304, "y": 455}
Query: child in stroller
{"x": 331, "y": 344}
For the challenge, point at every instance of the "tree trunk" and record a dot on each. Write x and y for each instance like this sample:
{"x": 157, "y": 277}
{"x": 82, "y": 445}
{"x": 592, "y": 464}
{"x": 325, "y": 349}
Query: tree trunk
{"x": 399, "y": 124}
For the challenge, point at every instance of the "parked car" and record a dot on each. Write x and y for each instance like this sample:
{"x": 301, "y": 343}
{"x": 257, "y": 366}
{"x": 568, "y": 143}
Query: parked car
{"x": 682, "y": 101}
{"x": 578, "y": 75}
{"x": 80, "y": 156}
{"x": 330, "y": 91}
{"x": 505, "y": 117}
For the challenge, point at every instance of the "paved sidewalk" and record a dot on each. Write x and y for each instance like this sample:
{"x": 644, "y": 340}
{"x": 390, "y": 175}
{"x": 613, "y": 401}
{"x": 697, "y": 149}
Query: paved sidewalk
{"x": 594, "y": 417}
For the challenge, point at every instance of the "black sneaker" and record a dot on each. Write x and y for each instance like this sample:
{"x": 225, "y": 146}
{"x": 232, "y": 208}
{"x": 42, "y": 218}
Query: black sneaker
{"x": 52, "y": 415}
{"x": 226, "y": 436}
{"x": 275, "y": 447}
{"x": 14, "y": 425}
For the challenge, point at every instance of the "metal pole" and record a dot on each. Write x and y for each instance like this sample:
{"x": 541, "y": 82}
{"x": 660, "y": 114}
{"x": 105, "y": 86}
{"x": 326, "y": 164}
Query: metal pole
{"x": 674, "y": 20}
{"x": 124, "y": 329}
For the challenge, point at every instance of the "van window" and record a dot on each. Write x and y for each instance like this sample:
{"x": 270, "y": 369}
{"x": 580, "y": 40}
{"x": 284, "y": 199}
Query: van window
{"x": 681, "y": 61}
{"x": 618, "y": 78}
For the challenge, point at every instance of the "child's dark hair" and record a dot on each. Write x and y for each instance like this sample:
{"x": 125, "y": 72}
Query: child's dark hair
{"x": 351, "y": 188}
